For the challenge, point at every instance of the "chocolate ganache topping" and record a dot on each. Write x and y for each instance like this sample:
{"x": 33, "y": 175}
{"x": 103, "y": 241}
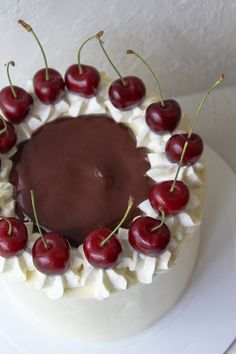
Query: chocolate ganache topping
{"x": 82, "y": 171}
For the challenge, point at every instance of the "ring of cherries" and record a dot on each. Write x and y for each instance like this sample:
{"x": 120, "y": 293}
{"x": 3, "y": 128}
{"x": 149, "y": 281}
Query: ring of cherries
{"x": 149, "y": 236}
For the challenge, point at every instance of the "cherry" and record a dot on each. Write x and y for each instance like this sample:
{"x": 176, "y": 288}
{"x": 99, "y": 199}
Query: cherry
{"x": 176, "y": 143}
{"x": 126, "y": 92}
{"x": 164, "y": 116}
{"x": 48, "y": 83}
{"x": 101, "y": 249}
{"x": 7, "y": 136}
{"x": 149, "y": 236}
{"x": 85, "y": 82}
{"x": 15, "y": 102}
{"x": 55, "y": 257}
{"x": 51, "y": 251}
{"x": 102, "y": 257}
{"x": 163, "y": 199}
{"x": 83, "y": 79}
{"x": 13, "y": 237}
{"x": 51, "y": 90}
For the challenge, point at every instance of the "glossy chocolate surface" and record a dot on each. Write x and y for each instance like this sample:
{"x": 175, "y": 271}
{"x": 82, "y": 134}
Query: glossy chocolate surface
{"x": 82, "y": 171}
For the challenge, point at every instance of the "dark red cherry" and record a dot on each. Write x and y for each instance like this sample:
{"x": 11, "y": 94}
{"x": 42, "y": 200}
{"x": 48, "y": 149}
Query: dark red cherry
{"x": 164, "y": 116}
{"x": 48, "y": 91}
{"x": 175, "y": 144}
{"x": 85, "y": 83}
{"x": 48, "y": 83}
{"x": 15, "y": 109}
{"x": 15, "y": 102}
{"x": 129, "y": 95}
{"x": 7, "y": 136}
{"x": 106, "y": 256}
{"x": 148, "y": 237}
{"x": 163, "y": 119}
{"x": 170, "y": 203}
{"x": 126, "y": 92}
{"x": 13, "y": 237}
{"x": 53, "y": 260}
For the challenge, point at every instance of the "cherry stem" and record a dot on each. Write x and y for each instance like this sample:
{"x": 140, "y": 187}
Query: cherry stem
{"x": 12, "y": 63}
{"x": 36, "y": 219}
{"x": 130, "y": 51}
{"x": 96, "y": 36}
{"x": 130, "y": 204}
{"x": 4, "y": 129}
{"x": 180, "y": 165}
{"x": 108, "y": 58}
{"x": 211, "y": 88}
{"x": 30, "y": 29}
{"x": 9, "y": 226}
{"x": 162, "y": 222}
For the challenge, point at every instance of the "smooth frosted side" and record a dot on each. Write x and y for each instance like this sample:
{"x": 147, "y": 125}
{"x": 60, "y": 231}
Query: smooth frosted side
{"x": 124, "y": 313}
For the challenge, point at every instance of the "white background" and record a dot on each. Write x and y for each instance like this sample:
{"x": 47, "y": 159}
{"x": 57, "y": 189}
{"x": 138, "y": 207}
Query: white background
{"x": 187, "y": 42}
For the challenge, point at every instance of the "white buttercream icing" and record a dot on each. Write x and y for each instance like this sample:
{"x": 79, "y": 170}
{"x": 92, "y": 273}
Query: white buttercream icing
{"x": 133, "y": 266}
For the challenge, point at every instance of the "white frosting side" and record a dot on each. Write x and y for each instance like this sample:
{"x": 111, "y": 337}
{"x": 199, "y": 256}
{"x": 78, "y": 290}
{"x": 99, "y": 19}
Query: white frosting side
{"x": 133, "y": 267}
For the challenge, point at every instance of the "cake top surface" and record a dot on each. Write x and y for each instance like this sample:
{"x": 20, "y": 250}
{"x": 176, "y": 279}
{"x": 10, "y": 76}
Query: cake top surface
{"x": 83, "y": 171}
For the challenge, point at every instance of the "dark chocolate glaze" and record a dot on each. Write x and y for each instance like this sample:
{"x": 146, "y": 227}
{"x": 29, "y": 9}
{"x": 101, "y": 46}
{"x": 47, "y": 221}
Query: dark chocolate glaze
{"x": 82, "y": 171}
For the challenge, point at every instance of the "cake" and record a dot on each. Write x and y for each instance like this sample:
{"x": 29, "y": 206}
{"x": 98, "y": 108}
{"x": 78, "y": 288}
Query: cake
{"x": 84, "y": 158}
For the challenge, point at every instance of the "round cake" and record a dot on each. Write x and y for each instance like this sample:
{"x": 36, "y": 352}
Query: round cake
{"x": 101, "y": 195}
{"x": 84, "y": 158}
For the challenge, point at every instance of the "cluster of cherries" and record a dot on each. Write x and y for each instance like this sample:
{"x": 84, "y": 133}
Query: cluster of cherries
{"x": 51, "y": 251}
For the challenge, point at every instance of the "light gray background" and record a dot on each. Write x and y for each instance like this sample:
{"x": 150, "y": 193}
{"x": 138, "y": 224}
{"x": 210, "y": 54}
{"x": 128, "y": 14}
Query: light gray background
{"x": 188, "y": 43}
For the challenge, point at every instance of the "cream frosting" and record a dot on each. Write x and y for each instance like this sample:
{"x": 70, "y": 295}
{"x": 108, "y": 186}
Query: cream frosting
{"x": 134, "y": 267}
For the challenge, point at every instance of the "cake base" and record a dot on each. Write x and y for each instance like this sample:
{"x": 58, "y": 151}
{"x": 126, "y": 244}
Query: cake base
{"x": 123, "y": 314}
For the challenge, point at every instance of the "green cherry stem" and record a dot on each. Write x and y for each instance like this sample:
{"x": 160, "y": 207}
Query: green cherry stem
{"x": 30, "y": 29}
{"x": 130, "y": 204}
{"x": 4, "y": 129}
{"x": 179, "y": 167}
{"x": 12, "y": 63}
{"x": 9, "y": 226}
{"x": 130, "y": 51}
{"x": 162, "y": 222}
{"x": 211, "y": 88}
{"x": 36, "y": 219}
{"x": 109, "y": 59}
{"x": 96, "y": 36}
